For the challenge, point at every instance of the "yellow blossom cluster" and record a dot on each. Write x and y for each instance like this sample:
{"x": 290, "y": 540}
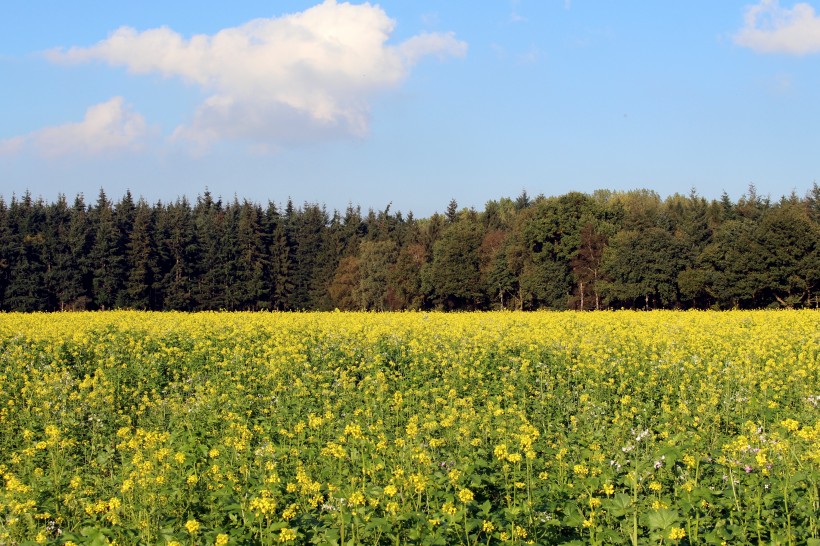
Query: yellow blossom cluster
{"x": 235, "y": 428}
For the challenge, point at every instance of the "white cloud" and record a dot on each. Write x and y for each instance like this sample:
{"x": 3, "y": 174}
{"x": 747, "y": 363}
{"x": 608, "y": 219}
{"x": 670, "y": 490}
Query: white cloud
{"x": 12, "y": 146}
{"x": 286, "y": 79}
{"x": 107, "y": 127}
{"x": 770, "y": 28}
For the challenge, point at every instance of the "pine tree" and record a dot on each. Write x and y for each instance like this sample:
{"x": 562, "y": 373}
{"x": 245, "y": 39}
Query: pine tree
{"x": 141, "y": 260}
{"x": 208, "y": 225}
{"x": 57, "y": 252}
{"x": 278, "y": 279}
{"x": 76, "y": 291}
{"x": 311, "y": 273}
{"x": 26, "y": 290}
{"x": 252, "y": 259}
{"x": 106, "y": 255}
{"x": 177, "y": 249}
{"x": 5, "y": 252}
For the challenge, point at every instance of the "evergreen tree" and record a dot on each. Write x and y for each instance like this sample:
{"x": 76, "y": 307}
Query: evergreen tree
{"x": 6, "y": 244}
{"x": 208, "y": 226}
{"x": 106, "y": 255}
{"x": 452, "y": 211}
{"x": 57, "y": 252}
{"x": 177, "y": 249}
{"x": 141, "y": 261}
{"x": 812, "y": 203}
{"x": 311, "y": 266}
{"x": 252, "y": 259}
{"x": 26, "y": 290}
{"x": 75, "y": 292}
{"x": 278, "y": 280}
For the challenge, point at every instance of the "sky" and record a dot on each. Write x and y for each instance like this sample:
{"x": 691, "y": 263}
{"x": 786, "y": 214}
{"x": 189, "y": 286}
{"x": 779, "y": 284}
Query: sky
{"x": 410, "y": 104}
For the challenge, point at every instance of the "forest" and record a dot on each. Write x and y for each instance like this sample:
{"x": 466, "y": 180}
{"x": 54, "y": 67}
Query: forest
{"x": 605, "y": 250}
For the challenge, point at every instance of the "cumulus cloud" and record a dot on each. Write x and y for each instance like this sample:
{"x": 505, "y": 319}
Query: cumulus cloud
{"x": 286, "y": 79}
{"x": 771, "y": 28}
{"x": 107, "y": 127}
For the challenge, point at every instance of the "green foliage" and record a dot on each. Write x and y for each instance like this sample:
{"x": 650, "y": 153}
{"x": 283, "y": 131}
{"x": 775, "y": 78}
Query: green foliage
{"x": 423, "y": 428}
{"x": 575, "y": 251}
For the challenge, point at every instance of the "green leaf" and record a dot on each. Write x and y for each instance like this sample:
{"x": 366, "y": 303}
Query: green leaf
{"x": 618, "y": 505}
{"x": 94, "y": 537}
{"x": 662, "y": 519}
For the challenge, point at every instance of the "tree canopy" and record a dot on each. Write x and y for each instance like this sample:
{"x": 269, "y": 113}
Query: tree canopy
{"x": 576, "y": 251}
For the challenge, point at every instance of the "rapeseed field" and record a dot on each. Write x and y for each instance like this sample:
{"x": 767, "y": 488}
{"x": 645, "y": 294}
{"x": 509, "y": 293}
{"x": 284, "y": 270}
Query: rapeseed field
{"x": 410, "y": 428}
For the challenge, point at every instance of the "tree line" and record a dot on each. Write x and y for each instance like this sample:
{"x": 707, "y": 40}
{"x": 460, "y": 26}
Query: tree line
{"x": 602, "y": 250}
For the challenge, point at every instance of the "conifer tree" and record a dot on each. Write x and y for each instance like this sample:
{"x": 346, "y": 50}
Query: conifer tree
{"x": 208, "y": 225}
{"x": 141, "y": 261}
{"x": 26, "y": 290}
{"x": 177, "y": 250}
{"x": 106, "y": 255}
{"x": 5, "y": 252}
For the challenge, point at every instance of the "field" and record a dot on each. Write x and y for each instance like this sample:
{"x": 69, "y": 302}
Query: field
{"x": 410, "y": 428}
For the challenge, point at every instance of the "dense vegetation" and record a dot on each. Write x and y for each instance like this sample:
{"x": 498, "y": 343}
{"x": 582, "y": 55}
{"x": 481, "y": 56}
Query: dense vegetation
{"x": 576, "y": 251}
{"x": 410, "y": 428}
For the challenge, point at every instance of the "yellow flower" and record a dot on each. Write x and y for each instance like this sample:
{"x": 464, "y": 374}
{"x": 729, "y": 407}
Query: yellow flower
{"x": 790, "y": 424}
{"x": 676, "y": 533}
{"x": 192, "y": 526}
{"x": 290, "y": 512}
{"x": 356, "y": 499}
{"x": 287, "y": 534}
{"x": 519, "y": 532}
{"x": 465, "y": 496}
{"x": 488, "y": 526}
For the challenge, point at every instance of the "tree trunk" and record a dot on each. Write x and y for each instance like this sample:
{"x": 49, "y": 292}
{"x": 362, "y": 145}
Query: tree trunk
{"x": 581, "y": 288}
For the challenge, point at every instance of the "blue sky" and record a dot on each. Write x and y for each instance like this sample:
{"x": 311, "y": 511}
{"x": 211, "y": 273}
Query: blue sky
{"x": 412, "y": 103}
